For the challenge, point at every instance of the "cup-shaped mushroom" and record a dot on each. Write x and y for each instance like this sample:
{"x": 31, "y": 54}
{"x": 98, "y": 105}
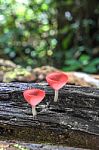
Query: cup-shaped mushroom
{"x": 34, "y": 97}
{"x": 56, "y": 80}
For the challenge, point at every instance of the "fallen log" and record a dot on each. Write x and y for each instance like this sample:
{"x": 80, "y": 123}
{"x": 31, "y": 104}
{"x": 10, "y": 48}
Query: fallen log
{"x": 72, "y": 121}
{"x": 6, "y": 145}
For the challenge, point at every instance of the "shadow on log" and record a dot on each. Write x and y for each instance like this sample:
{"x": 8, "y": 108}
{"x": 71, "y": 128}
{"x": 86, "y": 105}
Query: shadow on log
{"x": 72, "y": 121}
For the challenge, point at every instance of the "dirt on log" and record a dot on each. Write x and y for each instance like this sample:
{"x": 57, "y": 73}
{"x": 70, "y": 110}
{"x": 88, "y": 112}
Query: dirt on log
{"x": 72, "y": 121}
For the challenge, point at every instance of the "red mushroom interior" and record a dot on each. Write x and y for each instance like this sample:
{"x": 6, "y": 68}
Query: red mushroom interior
{"x": 34, "y": 96}
{"x": 57, "y": 80}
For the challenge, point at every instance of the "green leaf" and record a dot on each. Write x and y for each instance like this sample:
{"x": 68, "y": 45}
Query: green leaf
{"x": 90, "y": 69}
{"x": 84, "y": 59}
{"x": 67, "y": 40}
{"x": 71, "y": 68}
{"x": 44, "y": 7}
{"x": 71, "y": 62}
{"x": 69, "y": 2}
{"x": 95, "y": 61}
{"x": 72, "y": 65}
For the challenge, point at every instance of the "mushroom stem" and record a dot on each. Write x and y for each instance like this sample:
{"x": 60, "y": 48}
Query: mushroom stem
{"x": 34, "y": 111}
{"x": 56, "y": 96}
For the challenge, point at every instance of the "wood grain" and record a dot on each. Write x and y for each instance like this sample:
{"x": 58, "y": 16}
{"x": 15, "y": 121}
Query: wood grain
{"x": 72, "y": 121}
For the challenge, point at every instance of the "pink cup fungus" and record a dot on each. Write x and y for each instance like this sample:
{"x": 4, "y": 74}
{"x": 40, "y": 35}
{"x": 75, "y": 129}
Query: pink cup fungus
{"x": 34, "y": 97}
{"x": 56, "y": 80}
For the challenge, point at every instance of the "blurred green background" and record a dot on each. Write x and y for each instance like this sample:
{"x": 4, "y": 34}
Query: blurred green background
{"x": 61, "y": 33}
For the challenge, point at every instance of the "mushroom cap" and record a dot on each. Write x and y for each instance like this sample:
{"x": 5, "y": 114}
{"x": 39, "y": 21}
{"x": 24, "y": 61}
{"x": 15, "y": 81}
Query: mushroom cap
{"x": 57, "y": 80}
{"x": 34, "y": 96}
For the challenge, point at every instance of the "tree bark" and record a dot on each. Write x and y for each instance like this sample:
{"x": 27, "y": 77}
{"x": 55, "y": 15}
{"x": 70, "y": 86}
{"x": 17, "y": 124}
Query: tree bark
{"x": 31, "y": 146}
{"x": 72, "y": 121}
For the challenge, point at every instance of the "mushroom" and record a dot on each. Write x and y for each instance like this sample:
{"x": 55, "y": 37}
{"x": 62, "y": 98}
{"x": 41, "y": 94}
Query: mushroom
{"x": 34, "y": 97}
{"x": 56, "y": 80}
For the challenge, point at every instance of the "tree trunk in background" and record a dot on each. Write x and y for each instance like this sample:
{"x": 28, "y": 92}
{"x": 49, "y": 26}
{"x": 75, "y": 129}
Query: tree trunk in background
{"x": 89, "y": 22}
{"x": 86, "y": 15}
{"x": 61, "y": 21}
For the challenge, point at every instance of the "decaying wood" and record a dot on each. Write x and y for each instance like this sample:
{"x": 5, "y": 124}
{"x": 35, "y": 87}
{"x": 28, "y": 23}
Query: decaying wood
{"x": 76, "y": 78}
{"x": 73, "y": 120}
{"x": 10, "y": 72}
